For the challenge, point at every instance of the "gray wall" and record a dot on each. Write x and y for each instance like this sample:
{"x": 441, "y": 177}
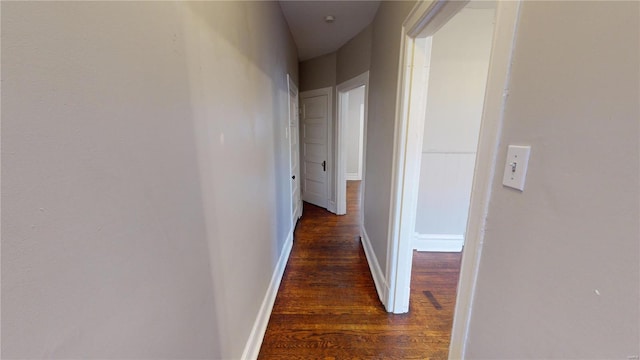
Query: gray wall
{"x": 354, "y": 57}
{"x": 383, "y": 82}
{"x": 351, "y": 60}
{"x": 138, "y": 140}
{"x": 318, "y": 72}
{"x": 559, "y": 275}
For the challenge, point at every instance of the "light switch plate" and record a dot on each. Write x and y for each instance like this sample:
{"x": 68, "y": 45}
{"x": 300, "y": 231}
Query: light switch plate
{"x": 515, "y": 168}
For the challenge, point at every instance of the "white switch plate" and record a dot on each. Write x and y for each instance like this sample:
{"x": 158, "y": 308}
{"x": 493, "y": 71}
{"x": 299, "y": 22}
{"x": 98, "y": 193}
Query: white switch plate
{"x": 515, "y": 168}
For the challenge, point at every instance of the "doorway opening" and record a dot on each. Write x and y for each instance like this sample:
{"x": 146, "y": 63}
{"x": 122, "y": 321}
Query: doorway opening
{"x": 457, "y": 60}
{"x": 353, "y": 113}
{"x": 351, "y": 133}
{"x": 454, "y": 74}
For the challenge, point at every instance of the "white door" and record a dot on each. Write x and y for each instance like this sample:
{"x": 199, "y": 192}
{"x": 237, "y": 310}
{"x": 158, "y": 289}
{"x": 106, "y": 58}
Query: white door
{"x": 315, "y": 117}
{"x": 294, "y": 144}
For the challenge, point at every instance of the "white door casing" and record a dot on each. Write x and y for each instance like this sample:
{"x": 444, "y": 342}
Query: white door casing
{"x": 426, "y": 18}
{"x": 315, "y": 114}
{"x": 361, "y": 141}
{"x": 341, "y": 157}
{"x": 294, "y": 145}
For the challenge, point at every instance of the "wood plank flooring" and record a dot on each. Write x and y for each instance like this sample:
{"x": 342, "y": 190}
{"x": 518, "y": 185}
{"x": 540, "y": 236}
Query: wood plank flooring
{"x": 327, "y": 306}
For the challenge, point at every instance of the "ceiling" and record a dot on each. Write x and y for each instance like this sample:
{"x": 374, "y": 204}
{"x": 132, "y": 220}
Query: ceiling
{"x": 315, "y": 37}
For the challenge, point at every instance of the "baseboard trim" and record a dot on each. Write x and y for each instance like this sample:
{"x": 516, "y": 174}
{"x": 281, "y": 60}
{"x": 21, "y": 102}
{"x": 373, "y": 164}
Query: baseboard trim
{"x": 252, "y": 347}
{"x": 353, "y": 176}
{"x": 438, "y": 242}
{"x": 332, "y": 207}
{"x": 382, "y": 288}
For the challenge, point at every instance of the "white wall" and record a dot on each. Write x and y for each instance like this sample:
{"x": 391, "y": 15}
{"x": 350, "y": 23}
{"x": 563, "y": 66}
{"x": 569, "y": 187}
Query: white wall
{"x": 457, "y": 78}
{"x": 354, "y": 133}
{"x": 138, "y": 140}
{"x": 559, "y": 273}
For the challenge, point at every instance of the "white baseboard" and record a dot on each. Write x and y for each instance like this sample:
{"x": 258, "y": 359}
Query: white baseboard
{"x": 438, "y": 242}
{"x": 382, "y": 288}
{"x": 252, "y": 347}
{"x": 332, "y": 207}
{"x": 353, "y": 176}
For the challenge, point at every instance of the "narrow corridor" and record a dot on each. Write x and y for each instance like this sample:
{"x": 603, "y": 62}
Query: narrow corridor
{"x": 327, "y": 306}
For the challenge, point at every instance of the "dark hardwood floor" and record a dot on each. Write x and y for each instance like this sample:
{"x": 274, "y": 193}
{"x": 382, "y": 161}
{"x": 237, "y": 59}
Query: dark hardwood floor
{"x": 327, "y": 306}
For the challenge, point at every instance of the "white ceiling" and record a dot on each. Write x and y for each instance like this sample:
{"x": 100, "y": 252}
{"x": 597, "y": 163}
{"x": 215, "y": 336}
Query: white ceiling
{"x": 313, "y": 36}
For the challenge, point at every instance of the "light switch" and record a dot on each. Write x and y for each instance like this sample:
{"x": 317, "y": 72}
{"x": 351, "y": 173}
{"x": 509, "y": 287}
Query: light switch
{"x": 515, "y": 169}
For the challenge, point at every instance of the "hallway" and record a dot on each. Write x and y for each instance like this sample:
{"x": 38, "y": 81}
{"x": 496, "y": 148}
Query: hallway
{"x": 327, "y": 306}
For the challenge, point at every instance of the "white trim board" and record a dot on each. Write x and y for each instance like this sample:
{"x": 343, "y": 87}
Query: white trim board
{"x": 331, "y": 207}
{"x": 438, "y": 242}
{"x": 295, "y": 118}
{"x": 376, "y": 272}
{"x": 408, "y": 137}
{"x": 424, "y": 20}
{"x": 254, "y": 342}
{"x": 353, "y": 176}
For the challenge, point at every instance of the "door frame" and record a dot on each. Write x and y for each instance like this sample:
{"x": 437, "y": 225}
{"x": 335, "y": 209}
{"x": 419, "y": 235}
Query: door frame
{"x": 328, "y": 91}
{"x": 427, "y": 17}
{"x": 293, "y": 90}
{"x": 341, "y": 130}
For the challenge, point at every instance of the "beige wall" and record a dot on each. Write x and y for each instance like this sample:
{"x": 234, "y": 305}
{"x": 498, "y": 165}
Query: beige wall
{"x": 351, "y": 60}
{"x": 383, "y": 82}
{"x": 318, "y": 72}
{"x": 354, "y": 57}
{"x": 138, "y": 140}
{"x": 559, "y": 274}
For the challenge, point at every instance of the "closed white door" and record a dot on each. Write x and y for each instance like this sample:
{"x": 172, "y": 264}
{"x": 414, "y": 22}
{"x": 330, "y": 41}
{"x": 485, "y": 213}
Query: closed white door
{"x": 314, "y": 149}
{"x": 294, "y": 143}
